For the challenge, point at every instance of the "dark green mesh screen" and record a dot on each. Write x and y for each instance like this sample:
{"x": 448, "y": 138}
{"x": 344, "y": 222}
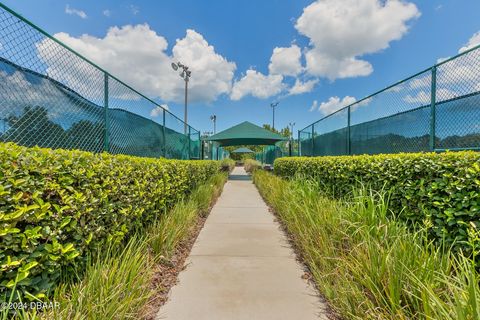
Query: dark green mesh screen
{"x": 434, "y": 110}
{"x": 305, "y": 142}
{"x": 330, "y": 135}
{"x": 194, "y": 144}
{"x": 214, "y": 152}
{"x": 280, "y": 149}
{"x": 52, "y": 97}
{"x": 458, "y": 102}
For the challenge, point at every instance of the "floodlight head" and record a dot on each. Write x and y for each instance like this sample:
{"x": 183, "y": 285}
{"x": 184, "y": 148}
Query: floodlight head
{"x": 174, "y": 66}
{"x": 182, "y": 75}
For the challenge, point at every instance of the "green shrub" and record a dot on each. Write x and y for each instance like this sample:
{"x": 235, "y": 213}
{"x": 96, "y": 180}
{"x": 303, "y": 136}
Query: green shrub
{"x": 56, "y": 206}
{"x": 441, "y": 191}
{"x": 227, "y": 164}
{"x": 100, "y": 293}
{"x": 251, "y": 165}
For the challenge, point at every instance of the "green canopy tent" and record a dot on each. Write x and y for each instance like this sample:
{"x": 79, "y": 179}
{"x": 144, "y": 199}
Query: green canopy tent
{"x": 246, "y": 133}
{"x": 243, "y": 150}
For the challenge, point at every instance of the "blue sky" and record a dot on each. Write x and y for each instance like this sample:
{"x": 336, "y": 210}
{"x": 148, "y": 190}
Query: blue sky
{"x": 227, "y": 38}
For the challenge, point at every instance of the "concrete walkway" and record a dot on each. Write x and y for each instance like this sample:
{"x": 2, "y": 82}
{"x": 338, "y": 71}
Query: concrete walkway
{"x": 241, "y": 266}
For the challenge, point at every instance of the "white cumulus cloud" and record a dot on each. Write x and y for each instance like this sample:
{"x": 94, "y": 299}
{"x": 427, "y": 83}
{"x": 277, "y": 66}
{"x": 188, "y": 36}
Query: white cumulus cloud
{"x": 314, "y": 106}
{"x": 423, "y": 97}
{"x": 258, "y": 85}
{"x": 137, "y": 55}
{"x": 472, "y": 42}
{"x": 455, "y": 77}
{"x": 286, "y": 61}
{"x": 340, "y": 32}
{"x": 157, "y": 111}
{"x": 335, "y": 103}
{"x": 72, "y": 11}
{"x": 302, "y": 87}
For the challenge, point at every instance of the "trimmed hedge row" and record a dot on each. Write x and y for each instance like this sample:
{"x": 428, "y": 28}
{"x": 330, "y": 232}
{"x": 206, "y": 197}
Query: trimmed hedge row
{"x": 57, "y": 206}
{"x": 441, "y": 191}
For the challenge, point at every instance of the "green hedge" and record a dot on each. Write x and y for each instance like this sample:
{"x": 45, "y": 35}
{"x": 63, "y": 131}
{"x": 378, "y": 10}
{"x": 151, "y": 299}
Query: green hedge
{"x": 440, "y": 191}
{"x": 56, "y": 206}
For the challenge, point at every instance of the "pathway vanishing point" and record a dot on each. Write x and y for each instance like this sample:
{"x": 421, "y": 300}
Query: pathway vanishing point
{"x": 241, "y": 266}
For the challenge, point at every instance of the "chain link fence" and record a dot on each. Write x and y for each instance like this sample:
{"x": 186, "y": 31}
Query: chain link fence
{"x": 213, "y": 151}
{"x": 437, "y": 109}
{"x": 280, "y": 149}
{"x": 52, "y": 97}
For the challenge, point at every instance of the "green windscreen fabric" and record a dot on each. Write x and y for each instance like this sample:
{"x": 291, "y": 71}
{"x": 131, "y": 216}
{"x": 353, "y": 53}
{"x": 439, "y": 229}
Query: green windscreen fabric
{"x": 434, "y": 110}
{"x": 246, "y": 133}
{"x": 52, "y": 97}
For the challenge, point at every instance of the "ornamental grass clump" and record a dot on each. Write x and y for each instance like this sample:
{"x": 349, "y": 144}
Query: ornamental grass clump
{"x": 366, "y": 261}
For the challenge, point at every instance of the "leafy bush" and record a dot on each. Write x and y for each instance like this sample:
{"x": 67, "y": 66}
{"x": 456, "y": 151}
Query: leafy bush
{"x": 227, "y": 164}
{"x": 441, "y": 191}
{"x": 251, "y": 165}
{"x": 133, "y": 267}
{"x": 58, "y": 205}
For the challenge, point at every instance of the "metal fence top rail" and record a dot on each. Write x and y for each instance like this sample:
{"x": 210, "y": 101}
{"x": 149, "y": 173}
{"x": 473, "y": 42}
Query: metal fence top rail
{"x": 19, "y": 16}
{"x": 395, "y": 84}
{"x": 403, "y": 112}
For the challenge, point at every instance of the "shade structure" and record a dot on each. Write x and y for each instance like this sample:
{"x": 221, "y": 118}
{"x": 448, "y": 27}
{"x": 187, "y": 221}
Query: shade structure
{"x": 243, "y": 150}
{"x": 246, "y": 133}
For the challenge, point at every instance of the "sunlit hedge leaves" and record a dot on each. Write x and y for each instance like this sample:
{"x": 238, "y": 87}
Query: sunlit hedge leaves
{"x": 56, "y": 206}
{"x": 441, "y": 191}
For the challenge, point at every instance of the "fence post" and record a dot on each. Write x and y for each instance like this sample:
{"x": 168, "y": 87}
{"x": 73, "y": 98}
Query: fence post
{"x": 106, "y": 138}
{"x": 433, "y": 107}
{"x": 200, "y": 144}
{"x": 299, "y": 144}
{"x": 189, "y": 142}
{"x": 349, "y": 144}
{"x": 313, "y": 142}
{"x": 164, "y": 135}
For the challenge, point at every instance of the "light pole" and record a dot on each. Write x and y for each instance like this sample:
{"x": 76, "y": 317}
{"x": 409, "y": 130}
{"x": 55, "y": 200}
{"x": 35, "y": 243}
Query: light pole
{"x": 185, "y": 74}
{"x": 291, "y": 124}
{"x": 290, "y": 145}
{"x": 273, "y": 105}
{"x": 207, "y": 133}
{"x": 214, "y": 119}
{"x": 206, "y": 145}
